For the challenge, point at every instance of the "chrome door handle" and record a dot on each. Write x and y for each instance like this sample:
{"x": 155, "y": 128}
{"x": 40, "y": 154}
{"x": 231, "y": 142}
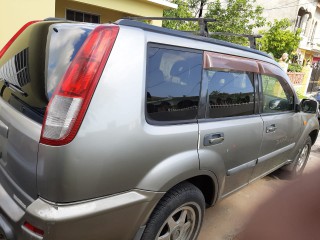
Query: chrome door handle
{"x": 216, "y": 140}
{"x": 271, "y": 128}
{"x": 213, "y": 139}
{"x": 3, "y": 130}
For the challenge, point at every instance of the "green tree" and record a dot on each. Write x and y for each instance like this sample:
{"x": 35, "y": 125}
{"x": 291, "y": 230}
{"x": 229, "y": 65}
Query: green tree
{"x": 183, "y": 11}
{"x": 197, "y": 7}
{"x": 237, "y": 16}
{"x": 278, "y": 39}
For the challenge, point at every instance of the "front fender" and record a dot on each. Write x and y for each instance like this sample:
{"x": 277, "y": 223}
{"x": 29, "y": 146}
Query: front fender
{"x": 310, "y": 123}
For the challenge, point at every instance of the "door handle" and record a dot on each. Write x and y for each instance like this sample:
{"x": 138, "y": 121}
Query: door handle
{"x": 271, "y": 128}
{"x": 3, "y": 130}
{"x": 213, "y": 139}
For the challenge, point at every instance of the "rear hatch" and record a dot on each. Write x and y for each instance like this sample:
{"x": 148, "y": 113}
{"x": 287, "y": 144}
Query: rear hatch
{"x": 31, "y": 66}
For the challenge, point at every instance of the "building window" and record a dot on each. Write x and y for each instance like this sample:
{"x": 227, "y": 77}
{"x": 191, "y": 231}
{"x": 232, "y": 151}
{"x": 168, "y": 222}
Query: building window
{"x": 82, "y": 17}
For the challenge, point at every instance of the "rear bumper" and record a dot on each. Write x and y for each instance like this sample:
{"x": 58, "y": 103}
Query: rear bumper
{"x": 116, "y": 217}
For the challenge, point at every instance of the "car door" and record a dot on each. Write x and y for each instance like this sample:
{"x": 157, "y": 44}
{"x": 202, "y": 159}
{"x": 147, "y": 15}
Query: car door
{"x": 281, "y": 124}
{"x": 230, "y": 134}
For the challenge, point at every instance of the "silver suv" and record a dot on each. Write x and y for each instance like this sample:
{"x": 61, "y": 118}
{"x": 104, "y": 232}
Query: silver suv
{"x": 128, "y": 131}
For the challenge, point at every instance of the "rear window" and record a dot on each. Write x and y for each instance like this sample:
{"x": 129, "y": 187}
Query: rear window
{"x": 35, "y": 63}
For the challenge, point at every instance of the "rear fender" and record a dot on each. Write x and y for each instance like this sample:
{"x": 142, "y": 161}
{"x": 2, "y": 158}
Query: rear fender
{"x": 173, "y": 170}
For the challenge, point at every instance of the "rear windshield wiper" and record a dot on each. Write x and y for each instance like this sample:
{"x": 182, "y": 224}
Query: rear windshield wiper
{"x": 15, "y": 88}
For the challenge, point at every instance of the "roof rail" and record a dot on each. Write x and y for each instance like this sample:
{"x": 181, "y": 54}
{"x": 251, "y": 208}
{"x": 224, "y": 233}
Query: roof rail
{"x": 252, "y": 38}
{"x": 54, "y": 19}
{"x": 203, "y": 24}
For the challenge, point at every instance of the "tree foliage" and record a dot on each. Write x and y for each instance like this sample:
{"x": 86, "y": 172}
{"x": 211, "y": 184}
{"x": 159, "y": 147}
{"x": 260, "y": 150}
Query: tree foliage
{"x": 278, "y": 39}
{"x": 235, "y": 16}
{"x": 238, "y": 16}
{"x": 183, "y": 11}
{"x": 197, "y": 7}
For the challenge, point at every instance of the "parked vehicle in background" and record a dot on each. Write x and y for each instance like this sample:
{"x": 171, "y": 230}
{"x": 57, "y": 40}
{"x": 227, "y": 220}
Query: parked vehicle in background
{"x": 128, "y": 131}
{"x": 316, "y": 97}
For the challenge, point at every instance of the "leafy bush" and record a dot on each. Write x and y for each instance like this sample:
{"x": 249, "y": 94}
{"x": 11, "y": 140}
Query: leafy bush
{"x": 294, "y": 67}
{"x": 300, "y": 95}
{"x": 279, "y": 39}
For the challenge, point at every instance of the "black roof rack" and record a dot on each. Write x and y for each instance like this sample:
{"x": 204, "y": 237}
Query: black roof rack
{"x": 252, "y": 38}
{"x": 130, "y": 22}
{"x": 203, "y": 24}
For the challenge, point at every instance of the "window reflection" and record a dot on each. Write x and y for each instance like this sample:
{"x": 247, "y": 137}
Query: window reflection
{"x": 173, "y": 84}
{"x": 64, "y": 44}
{"x": 276, "y": 97}
{"x": 230, "y": 93}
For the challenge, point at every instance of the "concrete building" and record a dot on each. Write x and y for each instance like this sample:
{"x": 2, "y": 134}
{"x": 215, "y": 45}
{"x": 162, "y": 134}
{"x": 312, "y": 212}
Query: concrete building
{"x": 15, "y": 13}
{"x": 304, "y": 14}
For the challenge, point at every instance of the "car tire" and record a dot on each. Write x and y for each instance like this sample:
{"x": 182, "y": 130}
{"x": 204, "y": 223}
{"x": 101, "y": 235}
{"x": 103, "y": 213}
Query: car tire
{"x": 300, "y": 160}
{"x": 178, "y": 215}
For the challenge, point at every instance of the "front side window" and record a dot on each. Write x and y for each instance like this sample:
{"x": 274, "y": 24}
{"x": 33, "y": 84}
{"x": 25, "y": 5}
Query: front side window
{"x": 231, "y": 93}
{"x": 173, "y": 84}
{"x": 277, "y": 97}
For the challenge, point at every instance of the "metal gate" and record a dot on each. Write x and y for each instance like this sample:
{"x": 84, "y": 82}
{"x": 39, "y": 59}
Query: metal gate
{"x": 314, "y": 79}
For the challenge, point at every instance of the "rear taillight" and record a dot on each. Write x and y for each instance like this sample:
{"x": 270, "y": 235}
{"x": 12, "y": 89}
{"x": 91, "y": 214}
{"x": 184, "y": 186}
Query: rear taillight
{"x": 5, "y": 48}
{"x": 72, "y": 96}
{"x": 33, "y": 229}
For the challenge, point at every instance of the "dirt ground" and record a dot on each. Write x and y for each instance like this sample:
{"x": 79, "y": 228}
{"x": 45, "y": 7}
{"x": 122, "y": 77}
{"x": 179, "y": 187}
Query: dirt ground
{"x": 226, "y": 219}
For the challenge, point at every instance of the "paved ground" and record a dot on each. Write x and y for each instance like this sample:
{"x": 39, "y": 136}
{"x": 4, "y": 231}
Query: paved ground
{"x": 226, "y": 218}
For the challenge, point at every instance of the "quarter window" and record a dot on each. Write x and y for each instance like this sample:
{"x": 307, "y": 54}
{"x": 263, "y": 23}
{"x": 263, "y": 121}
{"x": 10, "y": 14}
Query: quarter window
{"x": 231, "y": 93}
{"x": 173, "y": 84}
{"x": 277, "y": 97}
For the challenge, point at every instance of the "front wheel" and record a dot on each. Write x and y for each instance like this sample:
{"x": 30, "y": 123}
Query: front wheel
{"x": 178, "y": 215}
{"x": 302, "y": 158}
{"x": 300, "y": 161}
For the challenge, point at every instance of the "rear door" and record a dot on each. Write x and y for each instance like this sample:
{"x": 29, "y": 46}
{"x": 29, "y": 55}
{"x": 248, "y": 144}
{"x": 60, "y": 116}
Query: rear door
{"x": 30, "y": 69}
{"x": 281, "y": 124}
{"x": 231, "y": 132}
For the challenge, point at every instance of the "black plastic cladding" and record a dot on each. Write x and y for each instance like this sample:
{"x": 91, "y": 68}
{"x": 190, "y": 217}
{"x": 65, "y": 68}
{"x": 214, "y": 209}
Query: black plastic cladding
{"x": 144, "y": 26}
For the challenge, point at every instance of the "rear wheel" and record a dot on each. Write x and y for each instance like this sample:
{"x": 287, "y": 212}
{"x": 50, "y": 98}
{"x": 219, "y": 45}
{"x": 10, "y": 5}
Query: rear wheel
{"x": 178, "y": 216}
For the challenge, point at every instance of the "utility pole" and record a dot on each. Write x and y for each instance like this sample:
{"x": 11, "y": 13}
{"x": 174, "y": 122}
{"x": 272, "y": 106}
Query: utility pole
{"x": 202, "y": 3}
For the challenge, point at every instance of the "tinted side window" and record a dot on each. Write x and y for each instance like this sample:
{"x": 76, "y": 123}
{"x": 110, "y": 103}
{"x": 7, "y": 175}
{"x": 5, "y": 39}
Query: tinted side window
{"x": 277, "y": 96}
{"x": 230, "y": 93}
{"x": 173, "y": 84}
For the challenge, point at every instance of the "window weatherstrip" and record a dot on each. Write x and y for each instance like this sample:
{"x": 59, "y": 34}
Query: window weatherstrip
{"x": 271, "y": 70}
{"x": 228, "y": 62}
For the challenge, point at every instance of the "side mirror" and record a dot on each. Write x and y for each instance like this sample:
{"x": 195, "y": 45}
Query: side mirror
{"x": 309, "y": 106}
